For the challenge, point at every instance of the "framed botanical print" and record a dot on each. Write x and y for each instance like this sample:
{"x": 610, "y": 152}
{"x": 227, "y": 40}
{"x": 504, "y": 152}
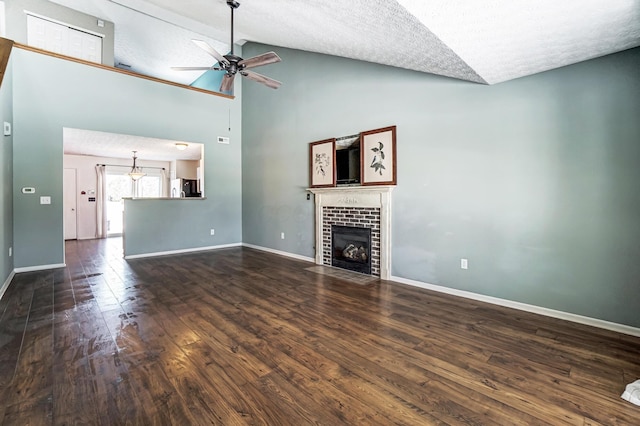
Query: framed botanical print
{"x": 378, "y": 156}
{"x": 322, "y": 161}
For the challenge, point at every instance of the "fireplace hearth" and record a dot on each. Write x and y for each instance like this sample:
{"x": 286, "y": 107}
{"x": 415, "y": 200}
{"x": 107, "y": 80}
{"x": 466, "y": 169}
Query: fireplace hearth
{"x": 361, "y": 207}
{"x": 351, "y": 248}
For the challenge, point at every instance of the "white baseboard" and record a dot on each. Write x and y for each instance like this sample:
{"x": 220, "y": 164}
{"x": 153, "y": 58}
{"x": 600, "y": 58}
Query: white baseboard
{"x": 281, "y": 253}
{"x": 189, "y": 250}
{"x": 5, "y": 286}
{"x": 40, "y": 267}
{"x": 594, "y": 322}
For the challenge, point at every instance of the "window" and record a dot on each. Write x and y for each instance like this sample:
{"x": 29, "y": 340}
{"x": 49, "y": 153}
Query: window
{"x": 120, "y": 186}
{"x": 150, "y": 186}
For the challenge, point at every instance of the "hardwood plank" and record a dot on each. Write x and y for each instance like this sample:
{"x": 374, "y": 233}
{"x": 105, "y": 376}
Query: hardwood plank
{"x": 10, "y": 344}
{"x": 33, "y": 411}
{"x": 299, "y": 335}
{"x": 156, "y": 392}
{"x": 33, "y": 379}
{"x": 238, "y": 336}
{"x": 115, "y": 398}
{"x": 204, "y": 402}
{"x": 73, "y": 396}
{"x": 277, "y": 391}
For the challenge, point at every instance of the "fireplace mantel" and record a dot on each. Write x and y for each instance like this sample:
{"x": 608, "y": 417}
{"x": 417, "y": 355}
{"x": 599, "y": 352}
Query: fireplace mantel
{"x": 357, "y": 196}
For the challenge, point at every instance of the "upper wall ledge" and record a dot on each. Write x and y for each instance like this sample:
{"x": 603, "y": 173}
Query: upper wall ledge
{"x": 118, "y": 70}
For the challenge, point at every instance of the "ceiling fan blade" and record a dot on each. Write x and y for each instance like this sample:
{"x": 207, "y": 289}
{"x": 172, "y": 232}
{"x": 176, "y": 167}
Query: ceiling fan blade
{"x": 196, "y": 68}
{"x": 227, "y": 83}
{"x": 211, "y": 51}
{"x": 259, "y": 78}
{"x": 260, "y": 60}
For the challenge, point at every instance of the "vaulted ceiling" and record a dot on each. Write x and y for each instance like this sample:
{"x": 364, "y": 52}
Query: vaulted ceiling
{"x": 484, "y": 41}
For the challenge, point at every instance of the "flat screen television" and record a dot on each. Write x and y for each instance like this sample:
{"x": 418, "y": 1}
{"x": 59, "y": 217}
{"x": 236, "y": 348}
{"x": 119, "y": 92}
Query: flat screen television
{"x": 348, "y": 166}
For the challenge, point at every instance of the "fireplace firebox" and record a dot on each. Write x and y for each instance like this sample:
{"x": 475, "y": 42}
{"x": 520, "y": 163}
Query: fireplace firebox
{"x": 351, "y": 248}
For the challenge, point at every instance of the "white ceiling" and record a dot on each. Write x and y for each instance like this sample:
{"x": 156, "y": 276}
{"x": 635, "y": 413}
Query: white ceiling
{"x": 112, "y": 145}
{"x": 485, "y": 41}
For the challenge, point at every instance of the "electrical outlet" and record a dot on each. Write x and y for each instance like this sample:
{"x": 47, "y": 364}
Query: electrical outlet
{"x": 45, "y": 200}
{"x": 213, "y": 231}
{"x": 282, "y": 235}
{"x": 464, "y": 264}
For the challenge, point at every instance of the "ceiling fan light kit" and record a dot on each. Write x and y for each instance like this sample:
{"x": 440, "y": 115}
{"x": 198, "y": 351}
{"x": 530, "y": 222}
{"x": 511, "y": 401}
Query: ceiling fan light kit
{"x": 232, "y": 64}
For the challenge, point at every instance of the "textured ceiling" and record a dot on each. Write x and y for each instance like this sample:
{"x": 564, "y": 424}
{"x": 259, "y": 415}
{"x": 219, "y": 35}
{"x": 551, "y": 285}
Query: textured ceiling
{"x": 485, "y": 41}
{"x": 506, "y": 39}
{"x": 111, "y": 145}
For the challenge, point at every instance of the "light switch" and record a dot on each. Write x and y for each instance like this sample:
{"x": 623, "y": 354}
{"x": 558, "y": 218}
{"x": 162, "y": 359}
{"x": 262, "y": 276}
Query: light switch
{"x": 7, "y": 129}
{"x": 45, "y": 200}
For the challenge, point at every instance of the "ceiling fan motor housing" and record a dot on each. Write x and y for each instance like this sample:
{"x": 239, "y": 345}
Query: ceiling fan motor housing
{"x": 233, "y": 64}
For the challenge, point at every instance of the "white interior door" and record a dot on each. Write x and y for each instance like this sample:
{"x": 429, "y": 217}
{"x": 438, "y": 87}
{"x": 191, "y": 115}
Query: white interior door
{"x": 70, "y": 205}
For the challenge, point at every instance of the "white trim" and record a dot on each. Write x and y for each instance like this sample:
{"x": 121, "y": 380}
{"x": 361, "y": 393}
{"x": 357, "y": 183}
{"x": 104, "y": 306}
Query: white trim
{"x": 594, "y": 322}
{"x": 281, "y": 253}
{"x": 189, "y": 250}
{"x": 5, "y": 286}
{"x": 378, "y": 196}
{"x": 40, "y": 267}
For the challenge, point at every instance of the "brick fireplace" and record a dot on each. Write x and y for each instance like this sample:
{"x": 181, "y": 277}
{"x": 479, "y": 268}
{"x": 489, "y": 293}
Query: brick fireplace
{"x": 361, "y": 207}
{"x": 355, "y": 217}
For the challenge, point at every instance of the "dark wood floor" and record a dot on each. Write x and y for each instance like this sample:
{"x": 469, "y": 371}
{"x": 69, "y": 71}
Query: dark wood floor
{"x": 238, "y": 336}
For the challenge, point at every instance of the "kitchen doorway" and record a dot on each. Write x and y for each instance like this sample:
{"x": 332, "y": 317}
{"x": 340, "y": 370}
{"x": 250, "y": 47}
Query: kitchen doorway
{"x": 102, "y": 161}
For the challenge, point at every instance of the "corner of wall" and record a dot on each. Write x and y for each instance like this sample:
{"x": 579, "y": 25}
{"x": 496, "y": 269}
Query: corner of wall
{"x": 6, "y": 177}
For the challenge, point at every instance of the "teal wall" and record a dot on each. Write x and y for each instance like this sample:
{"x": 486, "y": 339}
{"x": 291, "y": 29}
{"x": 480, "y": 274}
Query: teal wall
{"x": 6, "y": 176}
{"x": 535, "y": 180}
{"x": 50, "y": 94}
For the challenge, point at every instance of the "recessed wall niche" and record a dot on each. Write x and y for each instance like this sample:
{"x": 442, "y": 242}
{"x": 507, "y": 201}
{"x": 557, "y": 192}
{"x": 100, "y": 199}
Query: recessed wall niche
{"x": 348, "y": 160}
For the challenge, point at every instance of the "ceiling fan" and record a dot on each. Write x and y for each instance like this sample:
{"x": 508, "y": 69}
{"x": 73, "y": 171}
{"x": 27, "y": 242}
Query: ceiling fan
{"x": 233, "y": 64}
